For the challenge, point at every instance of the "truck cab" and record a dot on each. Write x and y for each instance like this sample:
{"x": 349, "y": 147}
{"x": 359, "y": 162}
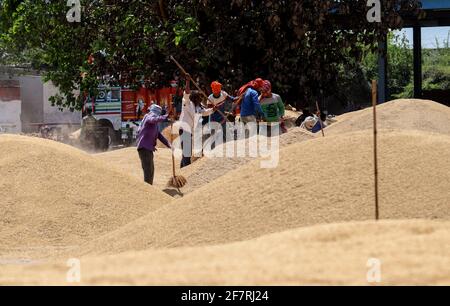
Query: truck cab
{"x": 120, "y": 110}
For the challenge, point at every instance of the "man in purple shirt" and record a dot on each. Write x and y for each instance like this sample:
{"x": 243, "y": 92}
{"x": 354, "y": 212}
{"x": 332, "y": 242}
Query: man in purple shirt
{"x": 148, "y": 135}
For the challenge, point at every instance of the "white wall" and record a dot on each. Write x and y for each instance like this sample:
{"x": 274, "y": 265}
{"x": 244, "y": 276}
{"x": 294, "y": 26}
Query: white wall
{"x": 34, "y": 107}
{"x": 31, "y": 97}
{"x": 53, "y": 114}
{"x": 10, "y": 115}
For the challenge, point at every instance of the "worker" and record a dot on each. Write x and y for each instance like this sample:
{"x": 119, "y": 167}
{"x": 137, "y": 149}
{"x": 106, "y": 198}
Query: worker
{"x": 89, "y": 121}
{"x": 321, "y": 122}
{"x": 140, "y": 109}
{"x": 219, "y": 99}
{"x": 271, "y": 104}
{"x": 222, "y": 102}
{"x": 248, "y": 101}
{"x": 89, "y": 127}
{"x": 191, "y": 115}
{"x": 305, "y": 114}
{"x": 148, "y": 134}
{"x": 315, "y": 123}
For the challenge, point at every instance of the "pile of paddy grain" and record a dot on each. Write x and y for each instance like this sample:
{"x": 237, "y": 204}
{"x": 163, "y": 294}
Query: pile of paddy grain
{"x": 317, "y": 181}
{"x": 127, "y": 161}
{"x": 200, "y": 173}
{"x": 54, "y": 195}
{"x": 404, "y": 114}
{"x": 413, "y": 252}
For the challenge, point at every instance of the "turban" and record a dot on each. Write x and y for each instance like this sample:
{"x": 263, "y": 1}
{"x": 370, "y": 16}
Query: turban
{"x": 216, "y": 87}
{"x": 155, "y": 110}
{"x": 266, "y": 87}
{"x": 255, "y": 84}
{"x": 258, "y": 83}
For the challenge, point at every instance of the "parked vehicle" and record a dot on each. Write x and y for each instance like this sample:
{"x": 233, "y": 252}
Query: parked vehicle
{"x": 119, "y": 111}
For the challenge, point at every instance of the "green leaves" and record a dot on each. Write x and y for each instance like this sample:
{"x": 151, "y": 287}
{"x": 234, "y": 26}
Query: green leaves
{"x": 298, "y": 45}
{"x": 186, "y": 30}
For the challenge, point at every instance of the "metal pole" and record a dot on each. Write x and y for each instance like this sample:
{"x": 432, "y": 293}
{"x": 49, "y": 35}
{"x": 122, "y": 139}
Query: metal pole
{"x": 417, "y": 46}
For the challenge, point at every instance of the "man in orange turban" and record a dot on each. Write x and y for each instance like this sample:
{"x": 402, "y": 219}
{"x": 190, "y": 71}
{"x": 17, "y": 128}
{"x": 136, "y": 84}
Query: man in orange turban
{"x": 216, "y": 88}
{"x": 222, "y": 102}
{"x": 219, "y": 99}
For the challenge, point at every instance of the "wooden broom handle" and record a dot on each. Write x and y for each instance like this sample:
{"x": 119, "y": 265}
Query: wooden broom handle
{"x": 197, "y": 86}
{"x": 173, "y": 152}
{"x": 319, "y": 113}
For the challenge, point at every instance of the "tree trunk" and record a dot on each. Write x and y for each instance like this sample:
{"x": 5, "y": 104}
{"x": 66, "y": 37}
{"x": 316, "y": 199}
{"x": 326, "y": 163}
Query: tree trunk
{"x": 162, "y": 10}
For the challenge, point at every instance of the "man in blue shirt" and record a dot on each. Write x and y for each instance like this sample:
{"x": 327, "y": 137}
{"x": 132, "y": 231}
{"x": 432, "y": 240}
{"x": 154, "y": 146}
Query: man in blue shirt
{"x": 250, "y": 107}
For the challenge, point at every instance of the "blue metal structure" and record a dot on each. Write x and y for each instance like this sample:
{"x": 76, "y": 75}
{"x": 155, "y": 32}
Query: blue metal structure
{"x": 436, "y": 4}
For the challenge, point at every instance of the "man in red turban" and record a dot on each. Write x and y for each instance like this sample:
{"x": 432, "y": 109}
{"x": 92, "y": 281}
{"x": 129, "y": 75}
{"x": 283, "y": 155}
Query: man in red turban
{"x": 272, "y": 105}
{"x": 248, "y": 102}
{"x": 255, "y": 84}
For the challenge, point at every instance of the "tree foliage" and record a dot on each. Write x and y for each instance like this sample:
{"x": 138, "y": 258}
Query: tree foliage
{"x": 435, "y": 66}
{"x": 298, "y": 45}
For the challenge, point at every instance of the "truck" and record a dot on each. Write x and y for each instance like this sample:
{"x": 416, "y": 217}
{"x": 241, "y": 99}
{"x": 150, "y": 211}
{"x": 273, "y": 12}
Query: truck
{"x": 120, "y": 110}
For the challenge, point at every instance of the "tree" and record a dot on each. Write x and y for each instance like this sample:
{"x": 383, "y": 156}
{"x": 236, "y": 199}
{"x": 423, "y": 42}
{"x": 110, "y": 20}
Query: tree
{"x": 299, "y": 45}
{"x": 400, "y": 66}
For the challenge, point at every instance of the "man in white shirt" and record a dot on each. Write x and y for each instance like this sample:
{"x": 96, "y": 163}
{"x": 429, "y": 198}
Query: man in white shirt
{"x": 191, "y": 115}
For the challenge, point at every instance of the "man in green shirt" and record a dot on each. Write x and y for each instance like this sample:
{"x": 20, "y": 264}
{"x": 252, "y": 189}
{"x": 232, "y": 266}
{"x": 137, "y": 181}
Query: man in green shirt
{"x": 271, "y": 103}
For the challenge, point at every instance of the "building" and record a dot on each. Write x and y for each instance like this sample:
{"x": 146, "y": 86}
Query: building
{"x": 10, "y": 106}
{"x": 25, "y": 105}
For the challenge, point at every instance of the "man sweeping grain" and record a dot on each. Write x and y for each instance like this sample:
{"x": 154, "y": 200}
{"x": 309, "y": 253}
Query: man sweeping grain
{"x": 222, "y": 102}
{"x": 191, "y": 115}
{"x": 148, "y": 134}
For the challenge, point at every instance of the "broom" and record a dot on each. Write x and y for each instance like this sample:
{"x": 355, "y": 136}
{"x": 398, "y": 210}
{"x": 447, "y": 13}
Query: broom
{"x": 319, "y": 113}
{"x": 198, "y": 87}
{"x": 175, "y": 181}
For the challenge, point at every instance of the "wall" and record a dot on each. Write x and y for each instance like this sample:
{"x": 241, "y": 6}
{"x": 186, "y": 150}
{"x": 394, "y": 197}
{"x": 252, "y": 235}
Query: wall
{"x": 24, "y": 102}
{"x": 54, "y": 114}
{"x": 31, "y": 91}
{"x": 10, "y": 106}
{"x": 10, "y": 117}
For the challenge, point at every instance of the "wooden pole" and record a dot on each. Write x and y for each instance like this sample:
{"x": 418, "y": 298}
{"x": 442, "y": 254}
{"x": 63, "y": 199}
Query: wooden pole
{"x": 173, "y": 153}
{"x": 319, "y": 113}
{"x": 375, "y": 147}
{"x": 198, "y": 87}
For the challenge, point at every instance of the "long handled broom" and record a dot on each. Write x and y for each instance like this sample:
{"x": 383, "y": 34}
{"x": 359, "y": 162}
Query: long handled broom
{"x": 177, "y": 181}
{"x": 198, "y": 87}
{"x": 319, "y": 113}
